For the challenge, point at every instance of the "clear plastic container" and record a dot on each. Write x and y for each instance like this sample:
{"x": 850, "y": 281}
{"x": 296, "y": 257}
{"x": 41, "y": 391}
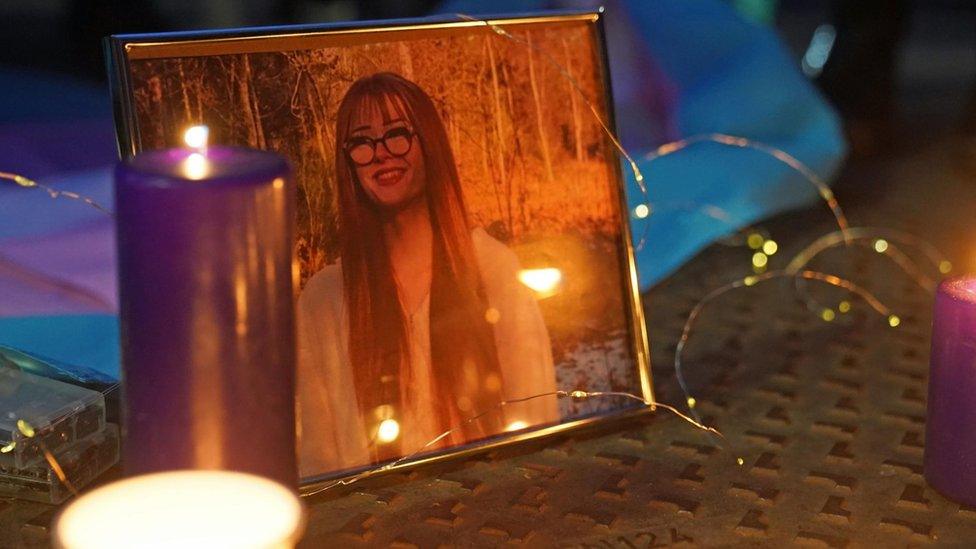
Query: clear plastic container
{"x": 82, "y": 462}
{"x": 58, "y": 413}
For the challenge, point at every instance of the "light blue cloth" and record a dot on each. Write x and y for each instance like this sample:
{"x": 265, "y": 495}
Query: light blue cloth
{"x": 716, "y": 73}
{"x": 91, "y": 341}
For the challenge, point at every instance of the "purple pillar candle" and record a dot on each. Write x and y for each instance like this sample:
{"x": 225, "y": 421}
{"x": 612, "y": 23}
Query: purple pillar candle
{"x": 207, "y": 319}
{"x": 950, "y": 430}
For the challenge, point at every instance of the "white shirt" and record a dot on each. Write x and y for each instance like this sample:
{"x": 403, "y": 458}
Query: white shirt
{"x": 332, "y": 433}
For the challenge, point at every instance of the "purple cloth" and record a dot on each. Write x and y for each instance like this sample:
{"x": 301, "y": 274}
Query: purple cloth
{"x": 57, "y": 256}
{"x": 42, "y": 148}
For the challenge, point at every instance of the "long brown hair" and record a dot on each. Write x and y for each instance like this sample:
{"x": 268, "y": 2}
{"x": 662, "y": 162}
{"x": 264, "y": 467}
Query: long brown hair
{"x": 464, "y": 358}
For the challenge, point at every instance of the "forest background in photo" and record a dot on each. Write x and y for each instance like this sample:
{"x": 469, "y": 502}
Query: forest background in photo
{"x": 536, "y": 167}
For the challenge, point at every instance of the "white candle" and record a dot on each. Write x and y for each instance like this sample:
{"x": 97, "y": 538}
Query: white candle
{"x": 186, "y": 509}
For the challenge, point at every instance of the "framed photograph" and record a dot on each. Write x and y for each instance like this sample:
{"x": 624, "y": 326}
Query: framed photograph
{"x": 463, "y": 238}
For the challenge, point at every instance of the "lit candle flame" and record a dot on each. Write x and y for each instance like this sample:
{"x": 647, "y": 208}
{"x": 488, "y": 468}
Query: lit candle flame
{"x": 196, "y": 166}
{"x": 196, "y": 137}
{"x": 183, "y": 509}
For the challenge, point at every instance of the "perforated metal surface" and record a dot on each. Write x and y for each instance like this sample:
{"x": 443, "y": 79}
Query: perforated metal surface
{"x": 829, "y": 419}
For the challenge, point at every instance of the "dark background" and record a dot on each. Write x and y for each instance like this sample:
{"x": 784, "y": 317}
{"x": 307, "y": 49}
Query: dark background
{"x": 901, "y": 73}
{"x": 897, "y": 67}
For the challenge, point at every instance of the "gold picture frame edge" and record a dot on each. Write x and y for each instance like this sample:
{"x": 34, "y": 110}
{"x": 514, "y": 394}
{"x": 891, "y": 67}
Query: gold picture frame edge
{"x": 222, "y": 45}
{"x": 119, "y": 47}
{"x": 314, "y": 485}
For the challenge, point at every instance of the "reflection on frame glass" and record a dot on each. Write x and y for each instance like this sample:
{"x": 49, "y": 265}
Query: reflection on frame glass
{"x": 461, "y": 234}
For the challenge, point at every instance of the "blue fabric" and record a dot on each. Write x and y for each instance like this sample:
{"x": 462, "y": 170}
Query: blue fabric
{"x": 90, "y": 341}
{"x": 727, "y": 75}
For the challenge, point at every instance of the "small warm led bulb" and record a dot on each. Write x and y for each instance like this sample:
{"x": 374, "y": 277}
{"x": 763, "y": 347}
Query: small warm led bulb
{"x": 770, "y": 247}
{"x": 517, "y": 425}
{"x": 642, "y": 211}
{"x": 881, "y": 245}
{"x": 388, "y": 430}
{"x": 755, "y": 241}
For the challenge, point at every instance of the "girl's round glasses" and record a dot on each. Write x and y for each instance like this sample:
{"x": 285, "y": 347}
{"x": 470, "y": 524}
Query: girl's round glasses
{"x": 362, "y": 149}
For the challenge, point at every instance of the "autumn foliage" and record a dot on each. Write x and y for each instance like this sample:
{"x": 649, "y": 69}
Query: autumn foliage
{"x": 523, "y": 117}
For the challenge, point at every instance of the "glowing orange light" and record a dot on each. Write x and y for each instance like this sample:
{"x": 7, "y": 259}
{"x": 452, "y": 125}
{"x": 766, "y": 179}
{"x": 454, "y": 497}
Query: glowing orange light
{"x": 388, "y": 430}
{"x": 183, "y": 509}
{"x": 517, "y": 425}
{"x": 545, "y": 282}
{"x": 492, "y": 315}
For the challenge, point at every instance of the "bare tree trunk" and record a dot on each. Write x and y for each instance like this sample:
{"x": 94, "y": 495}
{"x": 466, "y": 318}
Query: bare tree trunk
{"x": 499, "y": 130}
{"x": 406, "y": 61}
{"x": 536, "y": 97}
{"x": 187, "y": 115}
{"x": 574, "y": 105}
{"x": 250, "y": 104}
{"x": 317, "y": 123}
{"x": 486, "y": 144}
{"x": 515, "y": 186}
{"x": 199, "y": 102}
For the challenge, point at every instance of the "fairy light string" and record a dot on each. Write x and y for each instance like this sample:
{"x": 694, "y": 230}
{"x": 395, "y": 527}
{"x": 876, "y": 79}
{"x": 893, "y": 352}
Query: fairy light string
{"x": 795, "y": 270}
{"x": 502, "y": 32}
{"x": 576, "y": 395}
{"x": 25, "y": 182}
{"x": 753, "y": 280}
{"x": 881, "y": 241}
{"x": 27, "y": 430}
{"x": 823, "y": 189}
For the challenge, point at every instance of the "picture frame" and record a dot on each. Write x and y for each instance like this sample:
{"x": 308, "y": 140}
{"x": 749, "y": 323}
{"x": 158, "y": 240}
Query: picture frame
{"x": 523, "y": 105}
